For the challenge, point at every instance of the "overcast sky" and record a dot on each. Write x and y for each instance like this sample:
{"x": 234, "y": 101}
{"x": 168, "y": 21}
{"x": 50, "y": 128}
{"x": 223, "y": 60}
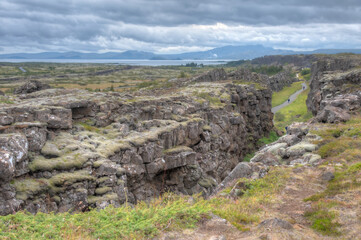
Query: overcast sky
{"x": 173, "y": 26}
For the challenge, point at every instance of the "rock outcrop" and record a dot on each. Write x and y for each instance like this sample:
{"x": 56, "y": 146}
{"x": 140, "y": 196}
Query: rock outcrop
{"x": 296, "y": 60}
{"x": 31, "y": 86}
{"x": 276, "y": 82}
{"x": 335, "y": 89}
{"x": 66, "y": 150}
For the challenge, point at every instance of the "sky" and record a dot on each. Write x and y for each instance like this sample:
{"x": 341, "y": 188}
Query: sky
{"x": 174, "y": 26}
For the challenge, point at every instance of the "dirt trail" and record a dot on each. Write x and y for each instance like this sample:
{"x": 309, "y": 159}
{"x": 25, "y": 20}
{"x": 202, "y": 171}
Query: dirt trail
{"x": 304, "y": 182}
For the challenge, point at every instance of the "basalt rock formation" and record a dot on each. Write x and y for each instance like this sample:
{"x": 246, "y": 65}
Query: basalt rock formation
{"x": 296, "y": 60}
{"x": 276, "y": 82}
{"x": 31, "y": 86}
{"x": 335, "y": 89}
{"x": 66, "y": 150}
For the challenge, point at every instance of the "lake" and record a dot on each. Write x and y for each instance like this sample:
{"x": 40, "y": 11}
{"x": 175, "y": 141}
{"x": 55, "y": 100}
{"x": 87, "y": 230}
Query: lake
{"x": 122, "y": 61}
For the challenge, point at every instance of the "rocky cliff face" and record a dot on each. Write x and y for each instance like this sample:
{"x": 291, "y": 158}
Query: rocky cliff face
{"x": 276, "y": 82}
{"x": 64, "y": 150}
{"x": 335, "y": 90}
{"x": 296, "y": 60}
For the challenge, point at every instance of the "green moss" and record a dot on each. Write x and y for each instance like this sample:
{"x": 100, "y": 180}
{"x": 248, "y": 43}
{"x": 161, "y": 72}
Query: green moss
{"x": 73, "y": 160}
{"x": 102, "y": 190}
{"x": 225, "y": 97}
{"x": 106, "y": 197}
{"x": 176, "y": 118}
{"x": 102, "y": 179}
{"x": 98, "y": 163}
{"x": 50, "y": 149}
{"x": 90, "y": 128}
{"x": 64, "y": 179}
{"x": 207, "y": 128}
{"x": 28, "y": 187}
{"x": 177, "y": 149}
{"x": 111, "y": 147}
{"x": 207, "y": 182}
{"x": 57, "y": 199}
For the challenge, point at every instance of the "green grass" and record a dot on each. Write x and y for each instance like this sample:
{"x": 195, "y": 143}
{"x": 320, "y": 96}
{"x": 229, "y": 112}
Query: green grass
{"x": 248, "y": 157}
{"x": 280, "y": 97}
{"x": 323, "y": 219}
{"x": 147, "y": 219}
{"x": 295, "y": 112}
{"x": 144, "y": 221}
{"x": 249, "y": 208}
{"x": 340, "y": 144}
{"x": 272, "y": 137}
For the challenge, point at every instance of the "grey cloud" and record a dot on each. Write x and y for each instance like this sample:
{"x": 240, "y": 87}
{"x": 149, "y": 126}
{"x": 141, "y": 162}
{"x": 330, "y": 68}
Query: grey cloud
{"x": 85, "y": 25}
{"x": 175, "y": 12}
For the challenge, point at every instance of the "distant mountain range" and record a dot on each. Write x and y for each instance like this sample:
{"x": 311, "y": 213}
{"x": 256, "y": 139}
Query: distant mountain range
{"x": 228, "y": 52}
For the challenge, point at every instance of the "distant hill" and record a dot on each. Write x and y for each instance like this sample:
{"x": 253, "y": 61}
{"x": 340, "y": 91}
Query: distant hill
{"x": 227, "y": 52}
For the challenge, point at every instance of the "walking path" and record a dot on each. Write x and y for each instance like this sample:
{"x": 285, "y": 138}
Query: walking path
{"x": 292, "y": 98}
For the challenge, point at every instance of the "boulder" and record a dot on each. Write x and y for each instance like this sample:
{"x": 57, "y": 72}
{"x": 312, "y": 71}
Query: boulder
{"x": 300, "y": 148}
{"x": 331, "y": 114}
{"x": 212, "y": 76}
{"x": 5, "y": 119}
{"x": 31, "y": 86}
{"x": 13, "y": 151}
{"x": 242, "y": 170}
{"x": 267, "y": 158}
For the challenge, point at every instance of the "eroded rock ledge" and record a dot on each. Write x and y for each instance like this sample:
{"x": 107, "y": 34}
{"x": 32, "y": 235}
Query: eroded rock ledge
{"x": 335, "y": 89}
{"x": 64, "y": 150}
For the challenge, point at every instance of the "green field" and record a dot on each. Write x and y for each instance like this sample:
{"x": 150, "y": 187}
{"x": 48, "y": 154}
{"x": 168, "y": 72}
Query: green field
{"x": 280, "y": 97}
{"x": 295, "y": 112}
{"x": 94, "y": 77}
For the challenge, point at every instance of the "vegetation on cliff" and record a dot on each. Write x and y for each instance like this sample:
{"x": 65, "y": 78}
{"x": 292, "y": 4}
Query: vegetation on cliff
{"x": 148, "y": 219}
